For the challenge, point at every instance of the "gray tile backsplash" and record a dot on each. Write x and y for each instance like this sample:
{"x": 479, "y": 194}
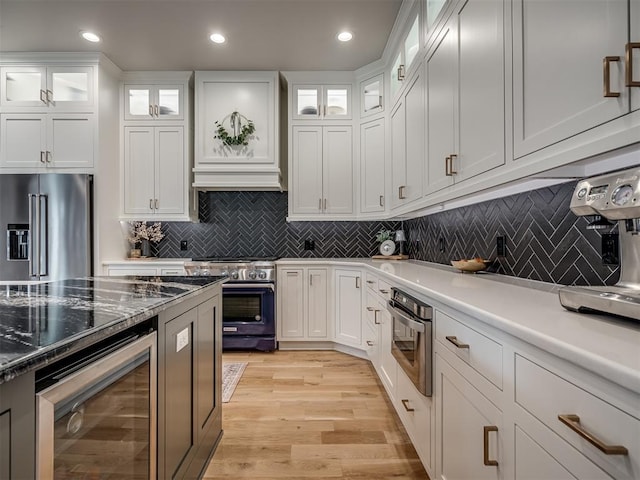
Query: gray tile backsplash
{"x": 545, "y": 240}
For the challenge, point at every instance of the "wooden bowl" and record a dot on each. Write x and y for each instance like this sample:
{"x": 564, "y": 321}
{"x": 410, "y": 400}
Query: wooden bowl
{"x": 471, "y": 265}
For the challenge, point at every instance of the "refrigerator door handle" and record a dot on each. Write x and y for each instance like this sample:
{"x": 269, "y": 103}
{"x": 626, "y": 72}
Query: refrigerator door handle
{"x": 43, "y": 235}
{"x": 34, "y": 220}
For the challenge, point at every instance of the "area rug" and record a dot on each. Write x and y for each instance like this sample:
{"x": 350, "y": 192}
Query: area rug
{"x": 231, "y": 373}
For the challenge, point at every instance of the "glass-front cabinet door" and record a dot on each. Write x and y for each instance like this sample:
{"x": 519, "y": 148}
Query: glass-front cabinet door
{"x": 153, "y": 102}
{"x": 412, "y": 44}
{"x": 29, "y": 89}
{"x": 433, "y": 9}
{"x": 371, "y": 94}
{"x": 321, "y": 101}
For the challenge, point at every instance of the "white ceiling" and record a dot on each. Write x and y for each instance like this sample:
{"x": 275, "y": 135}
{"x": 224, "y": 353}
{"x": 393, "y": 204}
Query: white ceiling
{"x": 174, "y": 34}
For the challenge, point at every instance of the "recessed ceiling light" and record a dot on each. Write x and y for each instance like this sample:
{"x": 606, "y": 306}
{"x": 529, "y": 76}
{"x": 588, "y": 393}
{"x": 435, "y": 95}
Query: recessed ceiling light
{"x": 345, "y": 36}
{"x": 217, "y": 38}
{"x": 90, "y": 37}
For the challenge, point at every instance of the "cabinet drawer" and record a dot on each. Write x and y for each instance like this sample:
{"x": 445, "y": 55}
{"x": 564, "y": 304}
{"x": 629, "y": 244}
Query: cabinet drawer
{"x": 547, "y": 396}
{"x": 133, "y": 271}
{"x": 384, "y": 289}
{"x": 372, "y": 281}
{"x": 482, "y": 353}
{"x": 414, "y": 410}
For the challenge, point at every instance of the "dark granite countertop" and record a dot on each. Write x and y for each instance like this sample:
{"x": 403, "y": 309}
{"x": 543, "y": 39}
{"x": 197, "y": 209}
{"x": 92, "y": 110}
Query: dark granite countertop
{"x": 41, "y": 322}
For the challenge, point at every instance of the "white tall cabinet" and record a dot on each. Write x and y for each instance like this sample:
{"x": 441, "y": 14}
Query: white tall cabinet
{"x": 372, "y": 166}
{"x": 156, "y": 147}
{"x": 348, "y": 307}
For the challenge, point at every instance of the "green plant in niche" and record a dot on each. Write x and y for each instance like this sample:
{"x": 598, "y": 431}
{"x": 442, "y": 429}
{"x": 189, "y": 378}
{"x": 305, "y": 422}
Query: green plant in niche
{"x": 241, "y": 133}
{"x": 384, "y": 235}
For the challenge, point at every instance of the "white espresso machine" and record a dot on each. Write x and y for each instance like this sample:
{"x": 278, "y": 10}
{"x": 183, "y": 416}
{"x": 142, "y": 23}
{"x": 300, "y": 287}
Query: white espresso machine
{"x": 615, "y": 197}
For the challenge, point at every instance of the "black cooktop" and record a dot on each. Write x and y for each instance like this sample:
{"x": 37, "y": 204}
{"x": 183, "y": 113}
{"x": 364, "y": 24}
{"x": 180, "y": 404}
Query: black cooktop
{"x": 235, "y": 259}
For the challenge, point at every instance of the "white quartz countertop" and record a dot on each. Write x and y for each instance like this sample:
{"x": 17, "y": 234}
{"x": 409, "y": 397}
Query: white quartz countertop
{"x": 527, "y": 310}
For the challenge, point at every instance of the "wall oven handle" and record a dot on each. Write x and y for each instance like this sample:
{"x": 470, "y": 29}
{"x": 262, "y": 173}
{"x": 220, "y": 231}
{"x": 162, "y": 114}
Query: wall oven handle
{"x": 405, "y": 319}
{"x": 231, "y": 286}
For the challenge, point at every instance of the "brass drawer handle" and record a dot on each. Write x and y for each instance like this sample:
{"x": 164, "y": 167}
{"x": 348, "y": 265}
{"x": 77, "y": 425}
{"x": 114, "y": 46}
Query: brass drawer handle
{"x": 382, "y": 200}
{"x": 370, "y": 282}
{"x": 370, "y": 309}
{"x": 487, "y": 429}
{"x": 453, "y": 339}
{"x": 401, "y": 192}
{"x": 405, "y": 402}
{"x": 573, "y": 422}
{"x": 447, "y": 171}
{"x": 375, "y": 317}
{"x": 385, "y": 292}
{"x": 370, "y": 343}
{"x": 606, "y": 66}
{"x": 630, "y": 82}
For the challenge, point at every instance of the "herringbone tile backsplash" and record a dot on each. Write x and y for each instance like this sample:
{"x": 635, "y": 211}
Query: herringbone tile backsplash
{"x": 253, "y": 224}
{"x": 545, "y": 241}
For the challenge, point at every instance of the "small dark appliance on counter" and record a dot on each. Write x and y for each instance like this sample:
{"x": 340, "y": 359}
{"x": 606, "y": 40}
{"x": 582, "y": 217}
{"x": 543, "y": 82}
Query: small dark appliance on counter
{"x": 616, "y": 197}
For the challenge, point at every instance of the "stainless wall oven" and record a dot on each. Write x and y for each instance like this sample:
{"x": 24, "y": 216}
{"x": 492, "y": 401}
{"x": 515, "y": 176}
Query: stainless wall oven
{"x": 412, "y": 341}
{"x": 96, "y": 412}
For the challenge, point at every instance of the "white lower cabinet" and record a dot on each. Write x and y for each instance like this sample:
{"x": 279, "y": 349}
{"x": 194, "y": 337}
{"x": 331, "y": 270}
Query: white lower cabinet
{"x": 303, "y": 304}
{"x": 416, "y": 412}
{"x": 348, "y": 307}
{"x": 468, "y": 428}
{"x": 144, "y": 269}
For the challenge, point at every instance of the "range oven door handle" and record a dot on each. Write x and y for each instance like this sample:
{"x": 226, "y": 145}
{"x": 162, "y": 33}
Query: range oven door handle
{"x": 231, "y": 286}
{"x": 406, "y": 320}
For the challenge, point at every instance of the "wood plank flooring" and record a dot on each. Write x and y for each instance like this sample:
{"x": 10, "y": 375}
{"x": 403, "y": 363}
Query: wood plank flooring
{"x": 311, "y": 414}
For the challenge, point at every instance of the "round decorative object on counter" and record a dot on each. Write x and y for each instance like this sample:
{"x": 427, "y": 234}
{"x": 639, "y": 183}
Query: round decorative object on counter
{"x": 387, "y": 247}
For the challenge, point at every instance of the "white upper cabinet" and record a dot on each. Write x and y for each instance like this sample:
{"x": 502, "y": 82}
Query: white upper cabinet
{"x": 632, "y": 52}
{"x": 40, "y": 88}
{"x": 569, "y": 68}
{"x": 404, "y": 61}
{"x": 372, "y": 96}
{"x": 372, "y": 166}
{"x": 465, "y": 95}
{"x": 407, "y": 140}
{"x": 432, "y": 9}
{"x": 322, "y": 170}
{"x": 153, "y": 102}
{"x": 38, "y": 142}
{"x": 327, "y": 102}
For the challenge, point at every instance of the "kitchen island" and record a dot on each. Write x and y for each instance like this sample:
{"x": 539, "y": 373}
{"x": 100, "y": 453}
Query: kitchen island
{"x": 44, "y": 324}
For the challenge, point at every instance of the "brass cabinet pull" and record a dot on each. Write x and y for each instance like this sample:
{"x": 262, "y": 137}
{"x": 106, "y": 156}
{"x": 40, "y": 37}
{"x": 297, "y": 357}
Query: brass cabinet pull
{"x": 401, "y": 73}
{"x": 606, "y": 66}
{"x": 324, "y": 204}
{"x": 401, "y": 192}
{"x": 573, "y": 422}
{"x": 453, "y": 339}
{"x": 156, "y": 204}
{"x": 157, "y": 110}
{"x": 382, "y": 200}
{"x": 370, "y": 282}
{"x": 487, "y": 429}
{"x": 384, "y": 291}
{"x": 375, "y": 317}
{"x": 405, "y": 402}
{"x": 319, "y": 204}
{"x": 41, "y": 156}
{"x": 48, "y": 156}
{"x": 151, "y": 204}
{"x": 370, "y": 309}
{"x": 446, "y": 166}
{"x": 370, "y": 343}
{"x": 43, "y": 97}
{"x": 49, "y": 97}
{"x": 452, "y": 157}
{"x": 151, "y": 110}
{"x": 357, "y": 282}
{"x": 629, "y": 81}
{"x": 310, "y": 280}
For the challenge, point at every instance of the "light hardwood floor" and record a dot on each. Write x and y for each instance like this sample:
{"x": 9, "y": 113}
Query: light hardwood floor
{"x": 311, "y": 414}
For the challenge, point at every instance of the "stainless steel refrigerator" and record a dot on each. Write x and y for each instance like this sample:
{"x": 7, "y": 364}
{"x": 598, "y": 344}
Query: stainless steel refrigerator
{"x": 47, "y": 223}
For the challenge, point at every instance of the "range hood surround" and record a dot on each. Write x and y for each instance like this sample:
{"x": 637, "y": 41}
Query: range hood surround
{"x": 249, "y": 96}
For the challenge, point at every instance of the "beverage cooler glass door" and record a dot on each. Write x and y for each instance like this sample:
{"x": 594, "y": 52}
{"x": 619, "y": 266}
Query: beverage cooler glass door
{"x": 99, "y": 422}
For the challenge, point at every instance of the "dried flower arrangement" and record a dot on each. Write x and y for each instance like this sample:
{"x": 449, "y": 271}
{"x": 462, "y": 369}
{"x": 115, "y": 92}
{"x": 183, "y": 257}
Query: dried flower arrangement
{"x": 139, "y": 231}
